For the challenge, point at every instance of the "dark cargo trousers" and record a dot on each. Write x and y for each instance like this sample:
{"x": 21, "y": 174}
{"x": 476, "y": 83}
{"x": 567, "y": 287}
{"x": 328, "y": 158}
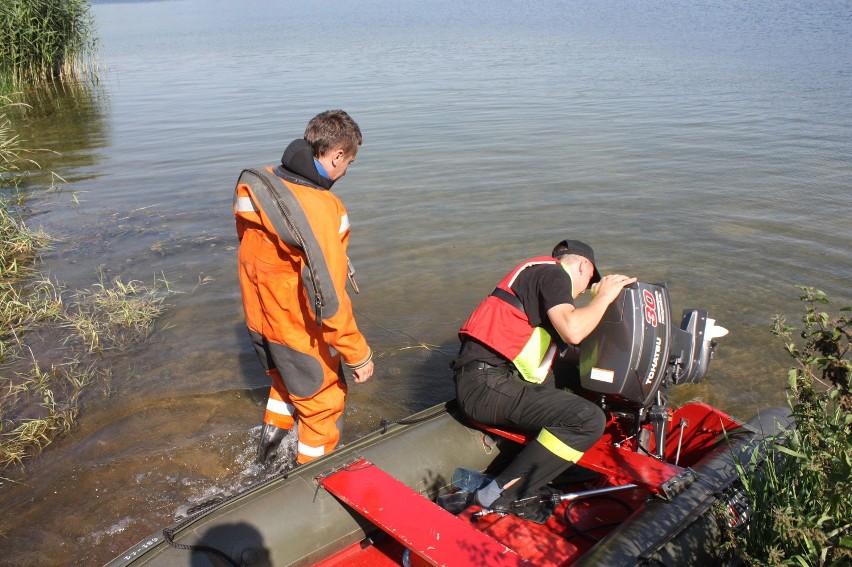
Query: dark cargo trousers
{"x": 566, "y": 425}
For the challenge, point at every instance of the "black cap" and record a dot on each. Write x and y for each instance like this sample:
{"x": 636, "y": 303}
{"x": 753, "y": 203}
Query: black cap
{"x": 578, "y": 249}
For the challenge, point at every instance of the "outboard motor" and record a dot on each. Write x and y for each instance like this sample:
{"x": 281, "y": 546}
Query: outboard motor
{"x": 636, "y": 353}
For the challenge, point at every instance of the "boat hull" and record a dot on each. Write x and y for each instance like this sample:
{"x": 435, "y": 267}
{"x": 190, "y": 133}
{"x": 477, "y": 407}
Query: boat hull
{"x": 290, "y": 521}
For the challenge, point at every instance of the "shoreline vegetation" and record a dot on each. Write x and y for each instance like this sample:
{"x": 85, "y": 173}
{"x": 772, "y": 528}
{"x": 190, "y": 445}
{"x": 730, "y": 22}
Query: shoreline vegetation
{"x": 44, "y": 42}
{"x": 54, "y": 342}
{"x": 800, "y": 498}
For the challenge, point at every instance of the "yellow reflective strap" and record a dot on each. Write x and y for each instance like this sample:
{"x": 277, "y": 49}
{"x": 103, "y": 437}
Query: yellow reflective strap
{"x": 533, "y": 362}
{"x": 557, "y": 447}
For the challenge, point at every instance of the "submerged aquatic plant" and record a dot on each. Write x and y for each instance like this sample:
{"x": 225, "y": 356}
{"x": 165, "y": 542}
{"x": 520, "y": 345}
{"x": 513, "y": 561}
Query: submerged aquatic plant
{"x": 37, "y": 405}
{"x": 112, "y": 316}
{"x": 46, "y": 40}
{"x": 42, "y": 377}
{"x": 40, "y": 406}
{"x": 19, "y": 244}
{"x": 12, "y": 152}
{"x": 800, "y": 495}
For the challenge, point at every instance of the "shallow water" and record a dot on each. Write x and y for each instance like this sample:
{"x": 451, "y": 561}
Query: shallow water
{"x": 704, "y": 145}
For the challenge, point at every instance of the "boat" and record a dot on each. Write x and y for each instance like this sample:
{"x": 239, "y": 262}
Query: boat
{"x": 661, "y": 487}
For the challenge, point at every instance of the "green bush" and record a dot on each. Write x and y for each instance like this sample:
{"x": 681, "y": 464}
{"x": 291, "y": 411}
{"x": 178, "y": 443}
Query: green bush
{"x": 45, "y": 40}
{"x": 802, "y": 495}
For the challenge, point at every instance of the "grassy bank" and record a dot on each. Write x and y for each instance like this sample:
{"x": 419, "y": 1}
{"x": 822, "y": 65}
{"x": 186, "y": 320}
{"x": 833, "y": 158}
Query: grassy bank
{"x": 802, "y": 498}
{"x": 43, "y": 41}
{"x": 53, "y": 340}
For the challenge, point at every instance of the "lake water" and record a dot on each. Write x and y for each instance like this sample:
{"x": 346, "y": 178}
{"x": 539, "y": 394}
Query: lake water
{"x": 704, "y": 144}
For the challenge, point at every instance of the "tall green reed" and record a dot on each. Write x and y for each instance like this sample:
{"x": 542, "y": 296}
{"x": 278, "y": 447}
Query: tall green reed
{"x": 42, "y": 41}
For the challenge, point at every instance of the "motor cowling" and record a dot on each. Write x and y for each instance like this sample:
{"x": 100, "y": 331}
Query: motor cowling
{"x": 635, "y": 349}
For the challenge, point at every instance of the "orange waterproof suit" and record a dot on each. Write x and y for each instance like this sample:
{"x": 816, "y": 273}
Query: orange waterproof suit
{"x": 293, "y": 270}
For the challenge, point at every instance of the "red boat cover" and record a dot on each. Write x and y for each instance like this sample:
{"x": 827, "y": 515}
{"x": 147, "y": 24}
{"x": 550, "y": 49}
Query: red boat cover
{"x": 415, "y": 521}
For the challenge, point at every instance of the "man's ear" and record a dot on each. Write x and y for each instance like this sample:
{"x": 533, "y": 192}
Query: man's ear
{"x": 337, "y": 156}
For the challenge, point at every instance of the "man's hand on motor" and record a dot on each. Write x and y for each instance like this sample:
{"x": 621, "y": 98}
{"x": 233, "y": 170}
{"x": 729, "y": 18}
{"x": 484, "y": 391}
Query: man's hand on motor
{"x": 610, "y": 286}
{"x": 363, "y": 374}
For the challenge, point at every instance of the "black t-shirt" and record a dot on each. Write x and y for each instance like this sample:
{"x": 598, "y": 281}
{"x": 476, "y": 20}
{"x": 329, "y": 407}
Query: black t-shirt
{"x": 539, "y": 287}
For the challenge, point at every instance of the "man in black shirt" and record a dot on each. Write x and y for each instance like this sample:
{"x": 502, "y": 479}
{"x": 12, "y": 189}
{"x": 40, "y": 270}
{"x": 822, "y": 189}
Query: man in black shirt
{"x": 508, "y": 346}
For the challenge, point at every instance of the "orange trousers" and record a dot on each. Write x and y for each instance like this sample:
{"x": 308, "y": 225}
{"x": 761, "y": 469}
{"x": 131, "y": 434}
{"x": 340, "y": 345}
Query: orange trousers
{"x": 319, "y": 411}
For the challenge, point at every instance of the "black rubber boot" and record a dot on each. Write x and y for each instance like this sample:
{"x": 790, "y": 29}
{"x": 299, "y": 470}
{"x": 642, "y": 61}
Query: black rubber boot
{"x": 270, "y": 441}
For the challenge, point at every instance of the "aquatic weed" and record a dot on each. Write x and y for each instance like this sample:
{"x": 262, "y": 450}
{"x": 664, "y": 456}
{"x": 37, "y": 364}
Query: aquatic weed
{"x": 40, "y": 393}
{"x": 113, "y": 315}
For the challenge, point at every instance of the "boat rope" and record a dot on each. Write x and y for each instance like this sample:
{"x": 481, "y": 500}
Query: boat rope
{"x": 418, "y": 343}
{"x": 385, "y": 423}
{"x": 169, "y": 534}
{"x": 197, "y": 511}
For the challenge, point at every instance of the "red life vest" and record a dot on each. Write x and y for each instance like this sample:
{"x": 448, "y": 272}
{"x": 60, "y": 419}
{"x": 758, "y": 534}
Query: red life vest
{"x": 500, "y": 323}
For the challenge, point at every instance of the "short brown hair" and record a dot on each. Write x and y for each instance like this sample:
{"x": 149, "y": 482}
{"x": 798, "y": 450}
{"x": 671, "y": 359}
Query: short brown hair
{"x": 331, "y": 130}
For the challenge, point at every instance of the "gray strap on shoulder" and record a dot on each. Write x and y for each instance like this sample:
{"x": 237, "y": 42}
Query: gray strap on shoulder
{"x": 291, "y": 225}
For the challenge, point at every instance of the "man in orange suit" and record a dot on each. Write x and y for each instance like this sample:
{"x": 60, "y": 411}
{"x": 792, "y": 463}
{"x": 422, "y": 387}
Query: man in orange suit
{"x": 293, "y": 269}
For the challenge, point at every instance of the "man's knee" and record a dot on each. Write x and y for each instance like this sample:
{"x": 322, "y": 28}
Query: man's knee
{"x": 587, "y": 423}
{"x": 597, "y": 423}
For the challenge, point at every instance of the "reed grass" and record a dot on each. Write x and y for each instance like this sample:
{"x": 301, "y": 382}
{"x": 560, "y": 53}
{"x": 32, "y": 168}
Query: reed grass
{"x": 37, "y": 405}
{"x": 35, "y": 393}
{"x": 42, "y": 41}
{"x": 18, "y": 244}
{"x": 111, "y": 316}
{"x": 12, "y": 153}
{"x": 39, "y": 400}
